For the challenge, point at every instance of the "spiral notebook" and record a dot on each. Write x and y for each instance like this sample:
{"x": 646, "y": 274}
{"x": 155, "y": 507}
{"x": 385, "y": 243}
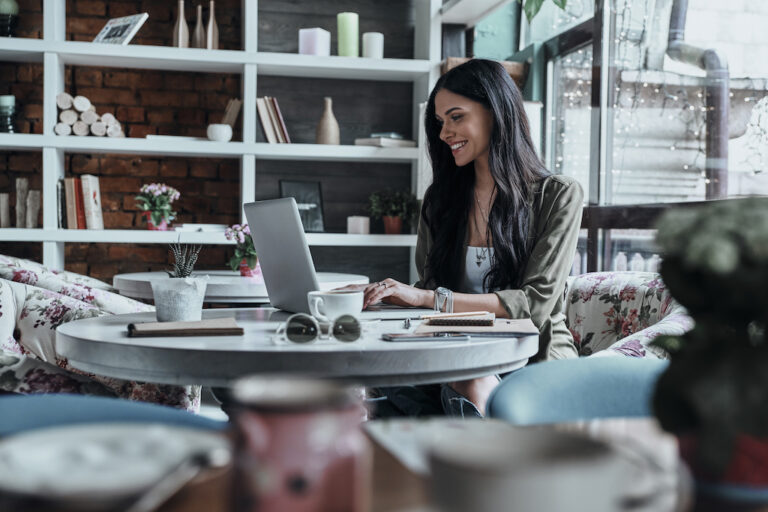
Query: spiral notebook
{"x": 501, "y": 327}
{"x": 476, "y": 318}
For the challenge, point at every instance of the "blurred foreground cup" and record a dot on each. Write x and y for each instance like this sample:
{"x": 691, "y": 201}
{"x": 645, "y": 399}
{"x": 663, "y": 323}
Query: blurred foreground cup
{"x": 488, "y": 466}
{"x": 299, "y": 446}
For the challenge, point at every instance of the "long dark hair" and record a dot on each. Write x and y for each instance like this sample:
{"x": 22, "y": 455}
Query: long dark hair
{"x": 515, "y": 168}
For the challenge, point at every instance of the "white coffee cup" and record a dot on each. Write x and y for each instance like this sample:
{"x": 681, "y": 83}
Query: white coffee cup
{"x": 219, "y": 132}
{"x": 327, "y": 306}
{"x": 489, "y": 465}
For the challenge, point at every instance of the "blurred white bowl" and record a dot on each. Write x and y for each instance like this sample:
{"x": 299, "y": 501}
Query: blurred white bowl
{"x": 220, "y": 132}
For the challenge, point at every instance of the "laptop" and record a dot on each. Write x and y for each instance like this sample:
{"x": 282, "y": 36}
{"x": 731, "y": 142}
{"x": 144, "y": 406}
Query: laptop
{"x": 286, "y": 263}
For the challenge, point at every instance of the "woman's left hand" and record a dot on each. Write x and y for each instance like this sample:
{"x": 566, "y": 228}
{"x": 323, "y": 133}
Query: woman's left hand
{"x": 395, "y": 292}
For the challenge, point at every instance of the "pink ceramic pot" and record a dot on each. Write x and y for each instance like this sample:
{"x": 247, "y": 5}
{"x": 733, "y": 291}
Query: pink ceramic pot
{"x": 247, "y": 271}
{"x": 300, "y": 446}
{"x": 163, "y": 226}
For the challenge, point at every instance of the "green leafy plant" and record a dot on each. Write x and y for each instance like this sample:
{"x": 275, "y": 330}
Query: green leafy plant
{"x": 532, "y": 7}
{"x": 156, "y": 198}
{"x": 184, "y": 259}
{"x": 716, "y": 387}
{"x": 394, "y": 203}
{"x": 244, "y": 250}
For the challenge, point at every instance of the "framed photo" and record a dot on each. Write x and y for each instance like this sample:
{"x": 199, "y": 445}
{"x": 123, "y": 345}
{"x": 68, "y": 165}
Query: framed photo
{"x": 121, "y": 30}
{"x": 309, "y": 200}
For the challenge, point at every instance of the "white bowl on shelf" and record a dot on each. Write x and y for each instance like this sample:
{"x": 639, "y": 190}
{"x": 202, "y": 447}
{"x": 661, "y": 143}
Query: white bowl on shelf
{"x": 219, "y": 132}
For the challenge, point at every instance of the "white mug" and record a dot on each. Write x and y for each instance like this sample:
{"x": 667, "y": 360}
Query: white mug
{"x": 327, "y": 306}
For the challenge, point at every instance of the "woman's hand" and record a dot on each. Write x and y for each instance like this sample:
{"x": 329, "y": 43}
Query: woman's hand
{"x": 394, "y": 292}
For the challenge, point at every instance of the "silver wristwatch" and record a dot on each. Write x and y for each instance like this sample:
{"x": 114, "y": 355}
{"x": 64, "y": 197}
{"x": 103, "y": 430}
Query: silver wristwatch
{"x": 443, "y": 298}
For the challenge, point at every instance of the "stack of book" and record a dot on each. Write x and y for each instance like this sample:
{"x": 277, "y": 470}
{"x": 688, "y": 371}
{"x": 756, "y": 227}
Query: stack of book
{"x": 386, "y": 140}
{"x": 81, "y": 203}
{"x": 272, "y": 121}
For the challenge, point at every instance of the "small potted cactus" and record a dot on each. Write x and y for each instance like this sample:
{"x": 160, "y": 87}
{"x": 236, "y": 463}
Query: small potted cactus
{"x": 180, "y": 296}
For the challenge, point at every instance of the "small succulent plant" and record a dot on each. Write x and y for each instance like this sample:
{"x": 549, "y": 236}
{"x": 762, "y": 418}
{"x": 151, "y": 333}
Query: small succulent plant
{"x": 184, "y": 257}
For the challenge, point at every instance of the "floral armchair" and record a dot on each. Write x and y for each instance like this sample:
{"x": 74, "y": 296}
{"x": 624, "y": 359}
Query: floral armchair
{"x": 620, "y": 313}
{"x": 33, "y": 302}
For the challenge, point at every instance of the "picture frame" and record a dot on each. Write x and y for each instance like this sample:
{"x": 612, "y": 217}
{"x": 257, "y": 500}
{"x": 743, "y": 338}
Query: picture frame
{"x": 309, "y": 199}
{"x": 121, "y": 30}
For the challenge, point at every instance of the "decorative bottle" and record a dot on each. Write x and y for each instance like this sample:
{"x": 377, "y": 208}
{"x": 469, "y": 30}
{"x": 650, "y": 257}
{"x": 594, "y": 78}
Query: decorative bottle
{"x": 7, "y": 113}
{"x": 328, "y": 127}
{"x": 9, "y": 15}
{"x": 212, "y": 31}
{"x": 637, "y": 263}
{"x": 180, "y": 29}
{"x": 198, "y": 36}
{"x": 620, "y": 262}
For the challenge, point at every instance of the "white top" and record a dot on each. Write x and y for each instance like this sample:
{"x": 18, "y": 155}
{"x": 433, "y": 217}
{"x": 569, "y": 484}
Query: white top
{"x": 476, "y": 267}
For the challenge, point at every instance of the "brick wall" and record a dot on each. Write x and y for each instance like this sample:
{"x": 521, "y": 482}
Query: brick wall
{"x": 146, "y": 102}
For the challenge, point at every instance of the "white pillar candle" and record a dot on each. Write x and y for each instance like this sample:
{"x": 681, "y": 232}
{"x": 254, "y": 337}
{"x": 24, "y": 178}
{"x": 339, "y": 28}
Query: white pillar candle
{"x": 358, "y": 225}
{"x": 373, "y": 45}
{"x": 314, "y": 41}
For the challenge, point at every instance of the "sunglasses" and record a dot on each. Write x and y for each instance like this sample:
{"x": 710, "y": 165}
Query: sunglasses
{"x": 304, "y": 328}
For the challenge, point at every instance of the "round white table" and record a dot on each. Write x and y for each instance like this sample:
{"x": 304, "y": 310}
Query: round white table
{"x": 102, "y": 346}
{"x": 224, "y": 285}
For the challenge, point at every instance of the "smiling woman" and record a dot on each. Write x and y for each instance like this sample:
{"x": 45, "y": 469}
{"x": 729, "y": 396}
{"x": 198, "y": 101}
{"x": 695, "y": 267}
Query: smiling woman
{"x": 497, "y": 230}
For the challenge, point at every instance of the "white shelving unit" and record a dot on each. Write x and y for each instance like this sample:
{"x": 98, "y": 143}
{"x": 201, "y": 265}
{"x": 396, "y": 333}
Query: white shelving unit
{"x": 55, "y": 53}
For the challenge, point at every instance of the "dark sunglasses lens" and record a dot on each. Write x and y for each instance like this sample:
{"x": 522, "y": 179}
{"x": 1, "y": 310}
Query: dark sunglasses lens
{"x": 346, "y": 328}
{"x": 301, "y": 329}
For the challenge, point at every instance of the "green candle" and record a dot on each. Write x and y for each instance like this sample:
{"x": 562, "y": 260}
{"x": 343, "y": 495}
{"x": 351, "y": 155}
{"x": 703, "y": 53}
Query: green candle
{"x": 347, "y": 34}
{"x": 9, "y": 7}
{"x": 7, "y": 100}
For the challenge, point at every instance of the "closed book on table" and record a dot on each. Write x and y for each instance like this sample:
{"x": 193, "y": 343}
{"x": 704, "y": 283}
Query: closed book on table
{"x": 92, "y": 202}
{"x": 266, "y": 123}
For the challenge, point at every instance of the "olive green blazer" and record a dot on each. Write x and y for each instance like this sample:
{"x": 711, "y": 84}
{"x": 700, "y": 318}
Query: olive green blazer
{"x": 557, "y": 206}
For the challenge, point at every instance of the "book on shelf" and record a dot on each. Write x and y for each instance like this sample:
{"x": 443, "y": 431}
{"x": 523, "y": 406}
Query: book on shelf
{"x": 272, "y": 121}
{"x": 266, "y": 123}
{"x": 92, "y": 202}
{"x": 385, "y": 142}
{"x": 280, "y": 119}
{"x": 73, "y": 197}
{"x": 61, "y": 211}
{"x": 199, "y": 228}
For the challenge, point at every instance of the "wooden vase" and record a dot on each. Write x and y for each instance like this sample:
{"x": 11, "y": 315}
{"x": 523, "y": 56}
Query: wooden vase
{"x": 328, "y": 127}
{"x": 180, "y": 29}
{"x": 198, "y": 36}
{"x": 392, "y": 225}
{"x": 212, "y": 31}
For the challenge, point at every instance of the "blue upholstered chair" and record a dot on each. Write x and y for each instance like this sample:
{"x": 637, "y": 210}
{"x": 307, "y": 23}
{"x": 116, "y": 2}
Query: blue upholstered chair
{"x": 19, "y": 413}
{"x": 576, "y": 389}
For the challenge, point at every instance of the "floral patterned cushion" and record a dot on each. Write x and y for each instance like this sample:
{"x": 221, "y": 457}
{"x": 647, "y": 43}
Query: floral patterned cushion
{"x": 28, "y": 324}
{"x": 620, "y": 313}
{"x": 41, "y": 277}
{"x": 64, "y": 275}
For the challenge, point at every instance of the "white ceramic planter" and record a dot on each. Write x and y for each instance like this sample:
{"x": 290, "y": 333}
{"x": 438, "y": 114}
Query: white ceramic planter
{"x": 179, "y": 299}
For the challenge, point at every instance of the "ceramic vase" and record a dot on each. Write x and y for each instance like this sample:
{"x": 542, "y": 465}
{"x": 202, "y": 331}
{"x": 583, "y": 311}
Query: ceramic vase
{"x": 392, "y": 225}
{"x": 180, "y": 29}
{"x": 212, "y": 31}
{"x": 179, "y": 299}
{"x": 163, "y": 226}
{"x": 198, "y": 36}
{"x": 328, "y": 127}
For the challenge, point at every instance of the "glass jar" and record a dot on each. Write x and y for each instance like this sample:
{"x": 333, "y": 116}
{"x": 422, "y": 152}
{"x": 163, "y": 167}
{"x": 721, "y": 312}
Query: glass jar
{"x": 7, "y": 114}
{"x": 9, "y": 15}
{"x": 299, "y": 446}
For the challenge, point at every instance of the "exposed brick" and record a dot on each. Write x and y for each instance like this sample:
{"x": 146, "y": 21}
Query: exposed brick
{"x": 103, "y": 96}
{"x": 88, "y": 77}
{"x": 193, "y": 117}
{"x": 130, "y": 114}
{"x": 174, "y": 168}
{"x": 141, "y": 130}
{"x": 85, "y": 26}
{"x": 25, "y": 162}
{"x": 203, "y": 169}
{"x": 91, "y": 7}
{"x": 33, "y": 110}
{"x": 122, "y": 184}
{"x": 117, "y": 220}
{"x": 84, "y": 164}
{"x": 161, "y": 116}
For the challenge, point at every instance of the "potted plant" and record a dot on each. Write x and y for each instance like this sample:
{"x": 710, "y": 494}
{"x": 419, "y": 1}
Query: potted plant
{"x": 155, "y": 201}
{"x": 393, "y": 207}
{"x": 714, "y": 394}
{"x": 245, "y": 258}
{"x": 180, "y": 297}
